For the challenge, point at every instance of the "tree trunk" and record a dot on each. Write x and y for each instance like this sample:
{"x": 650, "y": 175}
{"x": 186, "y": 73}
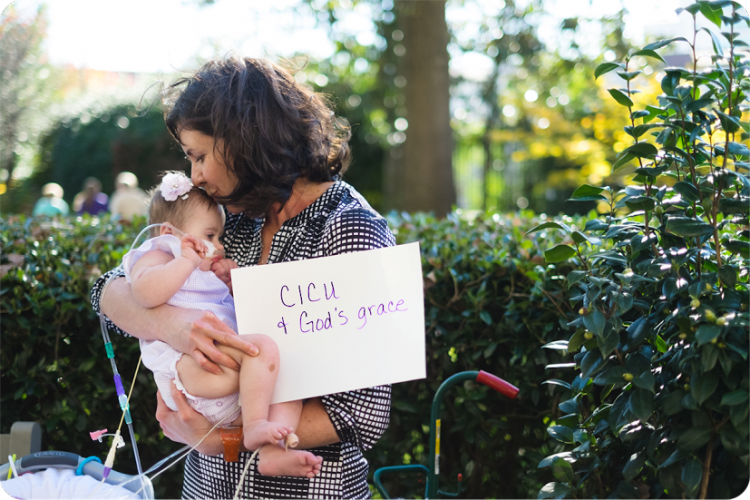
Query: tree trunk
{"x": 421, "y": 179}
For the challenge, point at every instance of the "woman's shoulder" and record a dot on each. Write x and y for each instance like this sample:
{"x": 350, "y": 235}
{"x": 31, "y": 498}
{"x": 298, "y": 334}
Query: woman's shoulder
{"x": 354, "y": 225}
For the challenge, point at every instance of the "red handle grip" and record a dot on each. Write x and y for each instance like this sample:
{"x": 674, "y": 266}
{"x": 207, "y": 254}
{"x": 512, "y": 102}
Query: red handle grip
{"x": 500, "y": 385}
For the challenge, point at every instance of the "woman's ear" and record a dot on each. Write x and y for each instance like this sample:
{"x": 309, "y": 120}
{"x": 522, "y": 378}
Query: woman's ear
{"x": 166, "y": 228}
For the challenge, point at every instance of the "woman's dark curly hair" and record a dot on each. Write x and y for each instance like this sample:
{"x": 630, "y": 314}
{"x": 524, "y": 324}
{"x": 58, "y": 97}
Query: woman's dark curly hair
{"x": 268, "y": 128}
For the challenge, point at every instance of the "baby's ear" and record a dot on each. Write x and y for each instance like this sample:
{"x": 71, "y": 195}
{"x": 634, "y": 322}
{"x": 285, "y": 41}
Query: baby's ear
{"x": 166, "y": 228}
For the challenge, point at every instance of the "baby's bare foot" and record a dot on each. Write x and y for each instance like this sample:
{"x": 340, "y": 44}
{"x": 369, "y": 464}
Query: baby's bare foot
{"x": 260, "y": 432}
{"x": 275, "y": 461}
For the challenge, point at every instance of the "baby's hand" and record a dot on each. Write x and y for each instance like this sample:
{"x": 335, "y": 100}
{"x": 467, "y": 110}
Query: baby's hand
{"x": 193, "y": 249}
{"x": 222, "y": 268}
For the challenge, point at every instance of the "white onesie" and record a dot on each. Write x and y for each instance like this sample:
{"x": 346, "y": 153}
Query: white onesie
{"x": 202, "y": 291}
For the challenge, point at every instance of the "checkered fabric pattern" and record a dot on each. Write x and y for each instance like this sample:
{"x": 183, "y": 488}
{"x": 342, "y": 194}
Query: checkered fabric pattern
{"x": 340, "y": 221}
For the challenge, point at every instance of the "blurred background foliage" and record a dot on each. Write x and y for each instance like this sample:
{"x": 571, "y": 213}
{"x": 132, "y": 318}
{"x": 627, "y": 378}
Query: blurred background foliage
{"x": 525, "y": 124}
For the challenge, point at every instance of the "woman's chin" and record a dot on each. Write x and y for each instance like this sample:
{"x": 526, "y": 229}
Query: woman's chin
{"x": 234, "y": 210}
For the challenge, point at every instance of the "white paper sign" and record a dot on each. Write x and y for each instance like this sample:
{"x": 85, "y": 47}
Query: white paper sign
{"x": 341, "y": 323}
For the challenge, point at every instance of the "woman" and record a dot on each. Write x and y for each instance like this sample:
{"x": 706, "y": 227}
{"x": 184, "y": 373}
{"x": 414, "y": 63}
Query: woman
{"x": 272, "y": 153}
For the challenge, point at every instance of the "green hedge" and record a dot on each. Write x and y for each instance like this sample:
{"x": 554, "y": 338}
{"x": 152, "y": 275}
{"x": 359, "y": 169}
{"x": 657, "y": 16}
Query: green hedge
{"x": 491, "y": 304}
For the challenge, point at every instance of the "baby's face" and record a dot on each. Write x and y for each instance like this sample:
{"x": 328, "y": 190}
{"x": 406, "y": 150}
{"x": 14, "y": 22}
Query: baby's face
{"x": 207, "y": 224}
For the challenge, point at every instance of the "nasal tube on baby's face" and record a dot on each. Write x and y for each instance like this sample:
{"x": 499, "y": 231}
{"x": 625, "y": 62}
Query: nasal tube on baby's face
{"x": 212, "y": 250}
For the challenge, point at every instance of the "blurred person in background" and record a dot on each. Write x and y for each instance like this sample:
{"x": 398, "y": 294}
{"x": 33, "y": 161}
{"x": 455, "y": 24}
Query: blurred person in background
{"x": 51, "y": 202}
{"x": 91, "y": 200}
{"x": 128, "y": 200}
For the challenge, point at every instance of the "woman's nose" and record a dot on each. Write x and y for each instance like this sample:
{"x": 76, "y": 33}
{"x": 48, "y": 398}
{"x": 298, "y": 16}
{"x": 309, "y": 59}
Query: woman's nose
{"x": 196, "y": 176}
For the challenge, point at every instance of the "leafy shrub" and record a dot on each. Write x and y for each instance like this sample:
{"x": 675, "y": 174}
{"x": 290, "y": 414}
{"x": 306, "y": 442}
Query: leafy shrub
{"x": 490, "y": 305}
{"x": 55, "y": 368}
{"x": 658, "y": 404}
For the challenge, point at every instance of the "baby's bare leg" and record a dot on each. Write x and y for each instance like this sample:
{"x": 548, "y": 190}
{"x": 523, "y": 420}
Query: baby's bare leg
{"x": 200, "y": 383}
{"x": 257, "y": 380}
{"x": 288, "y": 414}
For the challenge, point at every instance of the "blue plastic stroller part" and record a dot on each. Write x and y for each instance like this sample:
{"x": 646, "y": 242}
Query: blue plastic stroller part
{"x": 64, "y": 460}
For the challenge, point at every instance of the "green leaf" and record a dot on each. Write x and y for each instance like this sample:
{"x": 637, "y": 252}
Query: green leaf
{"x": 588, "y": 193}
{"x": 692, "y": 473}
{"x": 662, "y": 43}
{"x": 709, "y": 356}
{"x": 608, "y": 342}
{"x": 645, "y": 381}
{"x": 642, "y": 404}
{"x": 559, "y": 253}
{"x": 694, "y": 438}
{"x": 640, "y": 203}
{"x": 661, "y": 346}
{"x": 735, "y": 397}
{"x": 620, "y": 97}
{"x": 702, "y": 385}
{"x": 485, "y": 316}
{"x": 672, "y": 403}
{"x": 629, "y": 75}
{"x": 560, "y": 345}
{"x": 605, "y": 68}
{"x": 707, "y": 332}
{"x": 634, "y": 466}
{"x": 563, "y": 471}
{"x": 642, "y": 150}
{"x": 547, "y": 461}
{"x": 595, "y": 322}
{"x": 611, "y": 376}
{"x": 738, "y": 247}
{"x": 715, "y": 40}
{"x": 576, "y": 276}
{"x": 561, "y": 433}
{"x": 712, "y": 15}
{"x": 736, "y": 148}
{"x": 688, "y": 227}
{"x": 728, "y": 275}
{"x": 591, "y": 363}
{"x": 554, "y": 381}
{"x": 650, "y": 53}
{"x": 687, "y": 191}
{"x": 728, "y": 123}
{"x": 547, "y": 225}
{"x": 624, "y": 159}
{"x": 553, "y": 490}
{"x": 576, "y": 341}
{"x": 579, "y": 237}
{"x": 699, "y": 104}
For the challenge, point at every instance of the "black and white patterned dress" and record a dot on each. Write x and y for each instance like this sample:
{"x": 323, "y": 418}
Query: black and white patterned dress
{"x": 340, "y": 221}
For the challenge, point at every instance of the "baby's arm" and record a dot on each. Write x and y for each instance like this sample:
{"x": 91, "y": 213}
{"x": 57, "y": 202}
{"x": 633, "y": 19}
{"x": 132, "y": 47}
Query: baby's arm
{"x": 157, "y": 276}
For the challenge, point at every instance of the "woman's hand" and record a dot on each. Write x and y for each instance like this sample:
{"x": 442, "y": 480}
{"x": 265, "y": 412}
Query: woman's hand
{"x": 186, "y": 425}
{"x": 222, "y": 269}
{"x": 196, "y": 339}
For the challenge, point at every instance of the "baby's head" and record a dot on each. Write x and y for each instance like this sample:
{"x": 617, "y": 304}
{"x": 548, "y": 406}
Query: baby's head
{"x": 190, "y": 209}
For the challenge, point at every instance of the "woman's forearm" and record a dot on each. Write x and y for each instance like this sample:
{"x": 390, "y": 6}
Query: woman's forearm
{"x": 119, "y": 305}
{"x": 315, "y": 427}
{"x": 190, "y": 331}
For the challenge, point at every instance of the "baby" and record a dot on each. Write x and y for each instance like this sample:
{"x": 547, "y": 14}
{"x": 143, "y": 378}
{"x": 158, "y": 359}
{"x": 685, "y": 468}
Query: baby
{"x": 174, "y": 267}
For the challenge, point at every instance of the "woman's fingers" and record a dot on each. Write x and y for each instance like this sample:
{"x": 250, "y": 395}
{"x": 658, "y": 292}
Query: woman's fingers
{"x": 222, "y": 334}
{"x": 184, "y": 410}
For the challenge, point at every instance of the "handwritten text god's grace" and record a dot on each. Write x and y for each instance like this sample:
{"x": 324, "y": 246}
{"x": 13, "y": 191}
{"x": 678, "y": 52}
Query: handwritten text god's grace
{"x": 341, "y": 323}
{"x": 330, "y": 318}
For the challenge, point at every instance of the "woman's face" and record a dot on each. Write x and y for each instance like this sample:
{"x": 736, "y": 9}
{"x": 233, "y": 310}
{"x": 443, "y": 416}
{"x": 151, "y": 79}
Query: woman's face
{"x": 207, "y": 170}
